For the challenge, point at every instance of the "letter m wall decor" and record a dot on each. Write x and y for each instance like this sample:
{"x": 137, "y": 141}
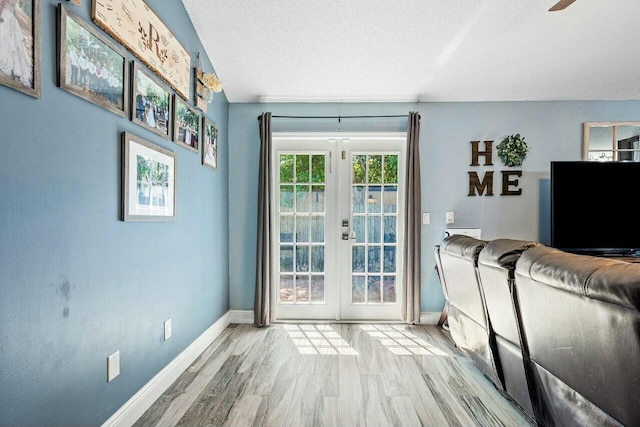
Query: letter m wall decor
{"x": 134, "y": 25}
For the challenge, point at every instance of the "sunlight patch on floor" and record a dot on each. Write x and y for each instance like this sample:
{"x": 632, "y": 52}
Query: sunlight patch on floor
{"x": 401, "y": 342}
{"x": 318, "y": 339}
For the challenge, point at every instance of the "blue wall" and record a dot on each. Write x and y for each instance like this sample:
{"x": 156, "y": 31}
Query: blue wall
{"x": 76, "y": 283}
{"x": 552, "y": 129}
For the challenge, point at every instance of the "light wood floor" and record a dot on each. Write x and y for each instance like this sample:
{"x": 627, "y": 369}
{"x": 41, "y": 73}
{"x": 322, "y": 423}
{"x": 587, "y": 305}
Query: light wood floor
{"x": 333, "y": 375}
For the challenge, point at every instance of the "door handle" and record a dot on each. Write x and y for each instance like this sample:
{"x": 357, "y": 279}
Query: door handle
{"x": 349, "y": 236}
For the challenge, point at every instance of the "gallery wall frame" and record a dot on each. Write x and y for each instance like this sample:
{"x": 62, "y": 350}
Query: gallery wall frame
{"x": 89, "y": 65}
{"x": 19, "y": 55}
{"x": 186, "y": 124}
{"x": 209, "y": 143}
{"x": 149, "y": 175}
{"x": 136, "y": 26}
{"x": 151, "y": 101}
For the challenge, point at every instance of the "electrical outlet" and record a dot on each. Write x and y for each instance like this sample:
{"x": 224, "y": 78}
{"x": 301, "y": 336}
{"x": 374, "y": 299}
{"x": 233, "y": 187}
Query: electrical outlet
{"x": 167, "y": 329}
{"x": 113, "y": 366}
{"x": 426, "y": 217}
{"x": 449, "y": 218}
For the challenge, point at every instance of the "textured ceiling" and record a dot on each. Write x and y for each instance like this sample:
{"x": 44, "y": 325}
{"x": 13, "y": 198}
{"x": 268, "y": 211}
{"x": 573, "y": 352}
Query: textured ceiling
{"x": 421, "y": 50}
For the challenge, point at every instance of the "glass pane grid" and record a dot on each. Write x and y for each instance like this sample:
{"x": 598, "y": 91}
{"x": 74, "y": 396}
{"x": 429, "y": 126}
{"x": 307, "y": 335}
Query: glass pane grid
{"x": 375, "y": 227}
{"x": 302, "y": 228}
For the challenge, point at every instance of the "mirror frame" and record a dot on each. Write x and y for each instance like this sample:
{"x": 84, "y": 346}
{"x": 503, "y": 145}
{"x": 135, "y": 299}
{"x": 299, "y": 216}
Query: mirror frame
{"x": 586, "y": 132}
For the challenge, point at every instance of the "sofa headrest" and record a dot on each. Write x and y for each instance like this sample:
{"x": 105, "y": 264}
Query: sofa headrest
{"x": 504, "y": 252}
{"x": 604, "y": 279}
{"x": 462, "y": 246}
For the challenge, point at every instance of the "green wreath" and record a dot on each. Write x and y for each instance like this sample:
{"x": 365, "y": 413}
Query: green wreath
{"x": 513, "y": 150}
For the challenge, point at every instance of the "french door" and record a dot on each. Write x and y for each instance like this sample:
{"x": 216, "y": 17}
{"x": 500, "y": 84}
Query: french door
{"x": 337, "y": 212}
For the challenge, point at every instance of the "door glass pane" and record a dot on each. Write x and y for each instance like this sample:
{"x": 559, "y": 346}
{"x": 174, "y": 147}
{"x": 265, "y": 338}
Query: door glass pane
{"x": 357, "y": 289}
{"x": 286, "y": 258}
{"x": 317, "y": 288}
{"x": 357, "y": 259}
{"x": 302, "y": 198}
{"x": 359, "y": 169}
{"x": 374, "y": 259}
{"x": 391, "y": 168}
{"x": 302, "y": 168}
{"x": 302, "y": 258}
{"x": 375, "y": 223}
{"x": 374, "y": 199}
{"x": 373, "y": 290}
{"x": 286, "y": 228}
{"x": 317, "y": 229}
{"x": 302, "y": 234}
{"x": 375, "y": 169}
{"x": 374, "y": 229}
{"x": 358, "y": 228}
{"x": 317, "y": 198}
{"x": 389, "y": 290}
{"x": 390, "y": 198}
{"x": 317, "y": 168}
{"x": 389, "y": 259}
{"x": 317, "y": 259}
{"x": 302, "y": 288}
{"x": 286, "y": 198}
{"x": 359, "y": 192}
{"x": 286, "y": 288}
{"x": 286, "y": 168}
{"x": 302, "y": 229}
{"x": 390, "y": 229}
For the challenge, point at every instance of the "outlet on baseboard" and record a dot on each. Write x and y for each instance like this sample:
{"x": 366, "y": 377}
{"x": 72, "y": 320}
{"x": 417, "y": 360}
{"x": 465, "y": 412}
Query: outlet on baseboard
{"x": 167, "y": 329}
{"x": 113, "y": 366}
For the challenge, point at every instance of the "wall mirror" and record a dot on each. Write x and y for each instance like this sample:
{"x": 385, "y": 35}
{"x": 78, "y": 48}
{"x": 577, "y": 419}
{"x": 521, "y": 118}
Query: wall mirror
{"x": 611, "y": 141}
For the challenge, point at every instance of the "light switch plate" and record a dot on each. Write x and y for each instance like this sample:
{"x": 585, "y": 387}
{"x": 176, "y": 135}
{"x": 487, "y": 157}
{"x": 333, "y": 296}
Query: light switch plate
{"x": 426, "y": 217}
{"x": 167, "y": 329}
{"x": 449, "y": 217}
{"x": 113, "y": 366}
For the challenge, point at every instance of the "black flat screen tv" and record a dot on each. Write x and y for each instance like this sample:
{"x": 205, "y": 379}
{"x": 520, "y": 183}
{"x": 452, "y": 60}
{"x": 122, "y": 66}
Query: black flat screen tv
{"x": 594, "y": 207}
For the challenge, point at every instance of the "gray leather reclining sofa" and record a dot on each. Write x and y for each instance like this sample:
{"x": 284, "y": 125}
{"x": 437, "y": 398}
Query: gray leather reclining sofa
{"x": 557, "y": 332}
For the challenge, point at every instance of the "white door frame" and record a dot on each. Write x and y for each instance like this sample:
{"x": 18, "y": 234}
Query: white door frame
{"x": 337, "y": 251}
{"x": 372, "y": 143}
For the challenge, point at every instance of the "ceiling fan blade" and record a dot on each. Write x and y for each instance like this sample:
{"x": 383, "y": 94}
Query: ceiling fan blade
{"x": 562, "y": 4}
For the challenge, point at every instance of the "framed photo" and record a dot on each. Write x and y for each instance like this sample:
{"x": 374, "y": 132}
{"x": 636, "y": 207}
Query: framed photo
{"x": 186, "y": 124}
{"x": 150, "y": 101}
{"x": 209, "y": 144}
{"x": 20, "y": 45}
{"x": 148, "y": 181}
{"x": 89, "y": 65}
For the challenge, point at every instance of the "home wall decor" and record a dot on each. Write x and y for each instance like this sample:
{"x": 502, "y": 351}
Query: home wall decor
{"x": 186, "y": 124}
{"x": 150, "y": 101}
{"x": 138, "y": 28}
{"x": 20, "y": 45}
{"x": 148, "y": 181}
{"x": 89, "y": 65}
{"x": 479, "y": 186}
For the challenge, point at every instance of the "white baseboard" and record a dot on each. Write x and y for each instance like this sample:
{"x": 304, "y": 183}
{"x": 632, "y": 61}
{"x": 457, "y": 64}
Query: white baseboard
{"x": 133, "y": 409}
{"x": 430, "y": 317}
{"x": 241, "y": 316}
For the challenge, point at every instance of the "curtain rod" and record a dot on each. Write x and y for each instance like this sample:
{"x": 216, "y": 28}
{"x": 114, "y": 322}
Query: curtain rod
{"x": 336, "y": 117}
